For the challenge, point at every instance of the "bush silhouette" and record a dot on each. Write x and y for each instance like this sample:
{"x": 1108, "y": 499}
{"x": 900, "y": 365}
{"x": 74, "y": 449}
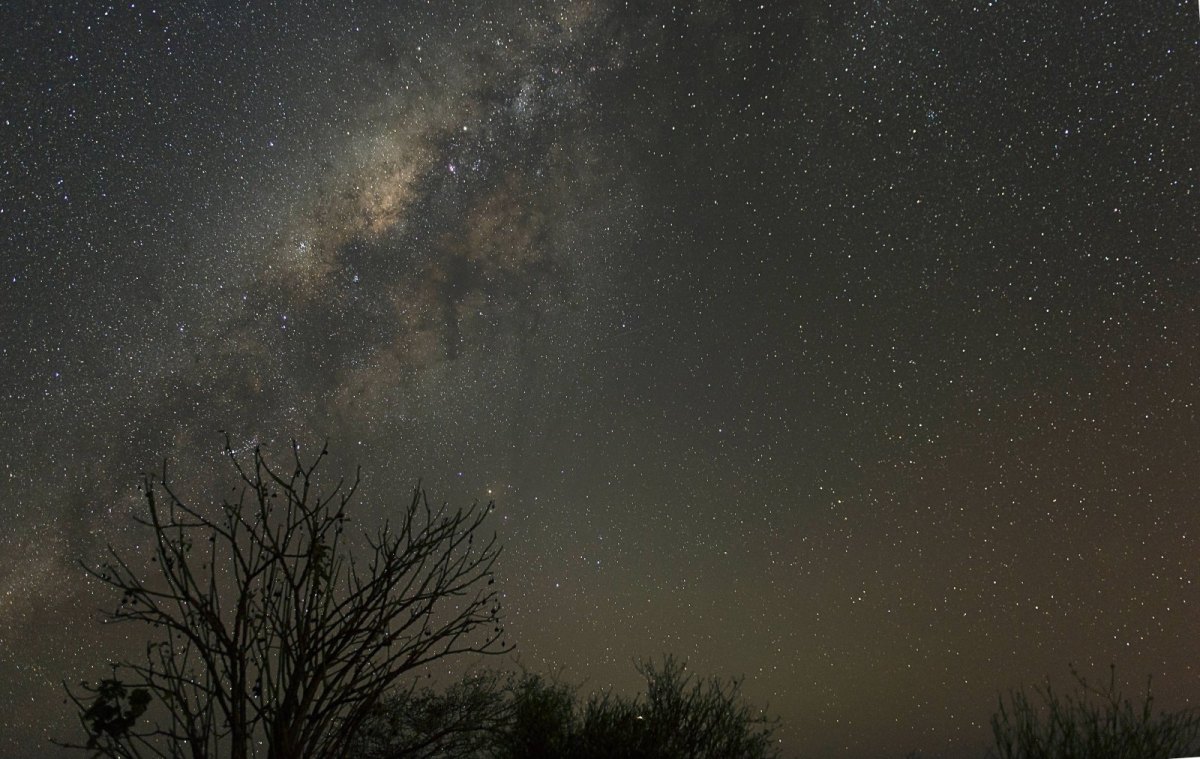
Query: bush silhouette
{"x": 1094, "y": 722}
{"x": 530, "y": 716}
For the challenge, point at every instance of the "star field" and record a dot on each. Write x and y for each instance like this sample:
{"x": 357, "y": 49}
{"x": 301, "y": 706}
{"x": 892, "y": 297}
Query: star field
{"x": 852, "y": 348}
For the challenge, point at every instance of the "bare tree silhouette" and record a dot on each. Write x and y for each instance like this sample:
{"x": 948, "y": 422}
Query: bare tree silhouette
{"x": 275, "y": 641}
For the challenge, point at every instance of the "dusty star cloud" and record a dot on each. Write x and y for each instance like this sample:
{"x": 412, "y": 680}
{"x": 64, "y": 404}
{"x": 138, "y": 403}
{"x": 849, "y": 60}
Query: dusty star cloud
{"x": 462, "y": 220}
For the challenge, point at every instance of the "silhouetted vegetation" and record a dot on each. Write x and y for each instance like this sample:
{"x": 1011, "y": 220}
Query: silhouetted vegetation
{"x": 461, "y": 721}
{"x": 534, "y": 717}
{"x": 274, "y": 640}
{"x": 1094, "y": 722}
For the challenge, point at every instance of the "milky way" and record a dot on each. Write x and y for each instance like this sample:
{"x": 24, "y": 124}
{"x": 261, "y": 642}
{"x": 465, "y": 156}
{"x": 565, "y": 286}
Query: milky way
{"x": 849, "y": 348}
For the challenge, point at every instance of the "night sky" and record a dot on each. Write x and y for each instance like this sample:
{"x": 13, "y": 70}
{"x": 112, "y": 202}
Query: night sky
{"x": 849, "y": 347}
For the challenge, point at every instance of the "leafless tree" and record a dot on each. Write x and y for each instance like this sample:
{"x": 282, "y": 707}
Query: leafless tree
{"x": 273, "y": 640}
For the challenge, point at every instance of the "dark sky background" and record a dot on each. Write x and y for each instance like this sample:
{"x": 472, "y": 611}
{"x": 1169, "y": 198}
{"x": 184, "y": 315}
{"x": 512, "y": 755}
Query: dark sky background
{"x": 849, "y": 347}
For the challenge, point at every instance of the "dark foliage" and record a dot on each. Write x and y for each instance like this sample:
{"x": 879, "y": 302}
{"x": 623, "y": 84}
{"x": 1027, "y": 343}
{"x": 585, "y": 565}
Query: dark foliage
{"x": 114, "y": 710}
